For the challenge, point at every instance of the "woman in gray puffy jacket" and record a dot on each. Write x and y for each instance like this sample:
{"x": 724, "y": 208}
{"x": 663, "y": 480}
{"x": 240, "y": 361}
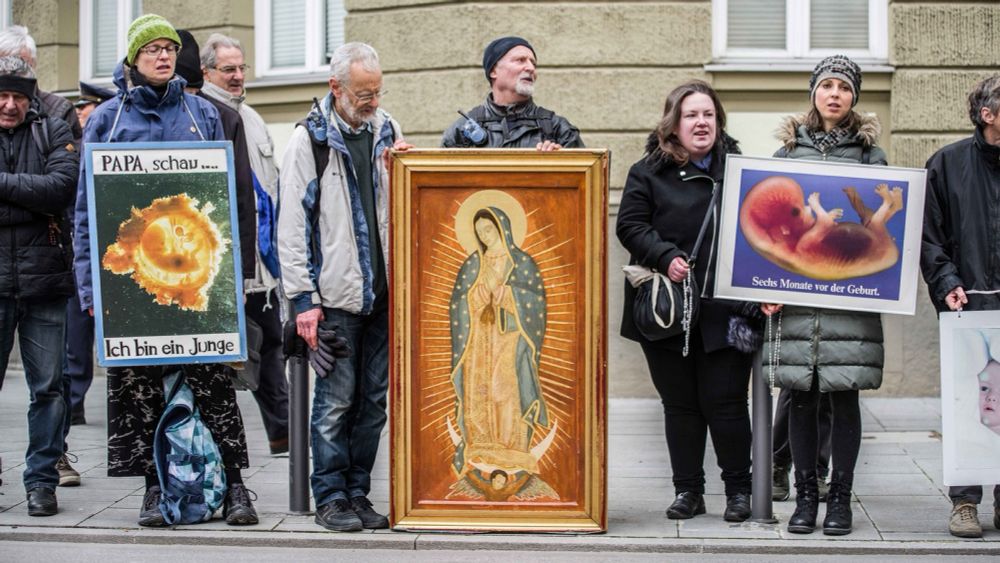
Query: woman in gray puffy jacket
{"x": 825, "y": 351}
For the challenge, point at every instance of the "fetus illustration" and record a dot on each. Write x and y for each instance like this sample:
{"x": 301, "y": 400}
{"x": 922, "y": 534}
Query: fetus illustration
{"x": 807, "y": 239}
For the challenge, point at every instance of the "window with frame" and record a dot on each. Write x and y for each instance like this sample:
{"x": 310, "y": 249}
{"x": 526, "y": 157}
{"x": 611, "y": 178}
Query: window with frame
{"x": 788, "y": 30}
{"x": 103, "y": 29}
{"x": 296, "y": 36}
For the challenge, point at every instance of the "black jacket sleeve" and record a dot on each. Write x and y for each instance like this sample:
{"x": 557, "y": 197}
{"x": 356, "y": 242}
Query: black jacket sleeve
{"x": 51, "y": 191}
{"x": 936, "y": 263}
{"x": 567, "y": 135}
{"x": 246, "y": 202}
{"x": 635, "y": 224}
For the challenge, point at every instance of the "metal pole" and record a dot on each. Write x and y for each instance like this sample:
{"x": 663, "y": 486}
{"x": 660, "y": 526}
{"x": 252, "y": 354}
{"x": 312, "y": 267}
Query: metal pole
{"x": 298, "y": 418}
{"x": 761, "y": 509}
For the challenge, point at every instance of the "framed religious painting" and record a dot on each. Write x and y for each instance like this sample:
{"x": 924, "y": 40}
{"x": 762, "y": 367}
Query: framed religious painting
{"x": 499, "y": 340}
{"x": 165, "y": 253}
{"x": 970, "y": 397}
{"x": 820, "y": 234}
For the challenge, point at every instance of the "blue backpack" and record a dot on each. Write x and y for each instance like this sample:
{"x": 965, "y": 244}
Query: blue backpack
{"x": 266, "y": 228}
{"x": 188, "y": 462}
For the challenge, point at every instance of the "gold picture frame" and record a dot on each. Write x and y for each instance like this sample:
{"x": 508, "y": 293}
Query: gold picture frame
{"x": 499, "y": 340}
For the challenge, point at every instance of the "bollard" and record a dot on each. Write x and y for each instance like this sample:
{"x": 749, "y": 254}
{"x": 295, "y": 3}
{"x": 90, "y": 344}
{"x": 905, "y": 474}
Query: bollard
{"x": 761, "y": 506}
{"x": 298, "y": 418}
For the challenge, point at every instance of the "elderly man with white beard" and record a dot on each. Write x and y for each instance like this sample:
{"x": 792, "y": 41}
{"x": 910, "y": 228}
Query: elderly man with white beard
{"x": 509, "y": 117}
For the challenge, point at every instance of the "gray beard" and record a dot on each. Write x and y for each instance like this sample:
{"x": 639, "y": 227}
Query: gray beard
{"x": 524, "y": 89}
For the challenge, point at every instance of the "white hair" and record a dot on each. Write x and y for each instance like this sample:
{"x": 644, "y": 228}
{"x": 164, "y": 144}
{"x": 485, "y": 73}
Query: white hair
{"x": 14, "y": 40}
{"x": 213, "y": 43}
{"x": 348, "y": 54}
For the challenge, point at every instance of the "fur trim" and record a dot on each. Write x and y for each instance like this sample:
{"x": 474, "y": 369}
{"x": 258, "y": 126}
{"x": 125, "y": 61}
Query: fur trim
{"x": 869, "y": 131}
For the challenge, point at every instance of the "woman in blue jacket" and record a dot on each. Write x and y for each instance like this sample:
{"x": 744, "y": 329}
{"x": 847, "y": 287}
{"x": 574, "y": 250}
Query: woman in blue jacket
{"x": 151, "y": 106}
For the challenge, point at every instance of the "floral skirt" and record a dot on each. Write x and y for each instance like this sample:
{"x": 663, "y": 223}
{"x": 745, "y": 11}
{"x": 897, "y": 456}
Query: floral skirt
{"x": 136, "y": 402}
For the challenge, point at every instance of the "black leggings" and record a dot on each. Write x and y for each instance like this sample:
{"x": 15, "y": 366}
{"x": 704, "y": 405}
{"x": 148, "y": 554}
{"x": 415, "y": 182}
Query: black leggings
{"x": 702, "y": 393}
{"x": 845, "y": 434}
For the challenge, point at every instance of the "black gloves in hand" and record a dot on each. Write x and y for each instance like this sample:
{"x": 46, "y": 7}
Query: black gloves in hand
{"x": 330, "y": 347}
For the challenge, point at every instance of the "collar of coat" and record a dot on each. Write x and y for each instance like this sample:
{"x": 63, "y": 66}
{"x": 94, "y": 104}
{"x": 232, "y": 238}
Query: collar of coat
{"x": 788, "y": 132}
{"x": 990, "y": 152}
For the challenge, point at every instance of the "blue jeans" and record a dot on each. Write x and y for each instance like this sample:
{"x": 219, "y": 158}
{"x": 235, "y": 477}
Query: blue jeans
{"x": 40, "y": 326}
{"x": 348, "y": 411}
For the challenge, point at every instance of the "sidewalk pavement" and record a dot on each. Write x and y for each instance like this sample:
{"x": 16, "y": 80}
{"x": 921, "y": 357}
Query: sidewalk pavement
{"x": 900, "y": 503}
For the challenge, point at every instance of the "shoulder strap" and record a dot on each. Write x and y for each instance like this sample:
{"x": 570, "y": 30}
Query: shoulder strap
{"x": 545, "y": 122}
{"x": 704, "y": 224}
{"x": 40, "y": 134}
{"x": 321, "y": 152}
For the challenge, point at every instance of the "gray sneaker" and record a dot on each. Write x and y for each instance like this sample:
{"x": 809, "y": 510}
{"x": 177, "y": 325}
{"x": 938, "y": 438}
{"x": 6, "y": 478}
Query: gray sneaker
{"x": 964, "y": 522}
{"x": 68, "y": 477}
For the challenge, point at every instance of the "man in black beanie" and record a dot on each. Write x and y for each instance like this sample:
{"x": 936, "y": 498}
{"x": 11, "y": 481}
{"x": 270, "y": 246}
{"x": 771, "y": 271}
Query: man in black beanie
{"x": 509, "y": 117}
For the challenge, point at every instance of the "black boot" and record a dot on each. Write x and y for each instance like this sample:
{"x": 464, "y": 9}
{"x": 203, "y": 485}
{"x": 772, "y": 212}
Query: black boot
{"x": 803, "y": 520}
{"x": 838, "y": 508}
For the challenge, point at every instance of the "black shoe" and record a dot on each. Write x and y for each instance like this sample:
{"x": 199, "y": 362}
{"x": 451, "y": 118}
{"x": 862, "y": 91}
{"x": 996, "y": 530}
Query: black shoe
{"x": 737, "y": 507}
{"x": 337, "y": 515}
{"x": 803, "y": 520}
{"x": 686, "y": 505}
{"x": 370, "y": 519}
{"x": 42, "y": 502}
{"x": 780, "y": 489}
{"x": 237, "y": 508}
{"x": 150, "y": 515}
{"x": 279, "y": 446}
{"x": 76, "y": 416}
{"x": 838, "y": 510}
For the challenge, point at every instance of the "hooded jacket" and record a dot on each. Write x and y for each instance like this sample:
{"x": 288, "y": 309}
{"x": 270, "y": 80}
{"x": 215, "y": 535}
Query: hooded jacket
{"x": 514, "y": 127}
{"x": 137, "y": 113}
{"x": 260, "y": 148}
{"x": 322, "y": 233}
{"x": 843, "y": 347}
{"x": 662, "y": 209}
{"x": 961, "y": 242}
{"x": 36, "y": 185}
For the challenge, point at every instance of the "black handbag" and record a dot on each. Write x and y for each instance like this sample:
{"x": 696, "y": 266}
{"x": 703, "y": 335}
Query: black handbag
{"x": 663, "y": 309}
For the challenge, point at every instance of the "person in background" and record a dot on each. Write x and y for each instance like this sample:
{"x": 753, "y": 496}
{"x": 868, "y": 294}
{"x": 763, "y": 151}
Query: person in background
{"x": 960, "y": 245}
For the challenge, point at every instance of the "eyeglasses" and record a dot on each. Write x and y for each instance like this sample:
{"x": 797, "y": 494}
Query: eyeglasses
{"x": 367, "y": 97}
{"x": 154, "y": 50}
{"x": 231, "y": 69}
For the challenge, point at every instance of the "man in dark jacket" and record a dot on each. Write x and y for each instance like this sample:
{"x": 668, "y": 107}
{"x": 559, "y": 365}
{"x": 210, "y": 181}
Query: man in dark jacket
{"x": 509, "y": 117}
{"x": 38, "y": 167}
{"x": 960, "y": 242}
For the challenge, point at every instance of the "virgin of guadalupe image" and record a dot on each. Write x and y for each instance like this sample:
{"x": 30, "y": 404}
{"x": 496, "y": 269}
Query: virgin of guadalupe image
{"x": 497, "y": 316}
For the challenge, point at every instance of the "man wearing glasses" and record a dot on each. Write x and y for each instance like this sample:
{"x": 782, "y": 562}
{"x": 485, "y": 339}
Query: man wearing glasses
{"x": 224, "y": 71}
{"x": 333, "y": 244}
{"x": 509, "y": 117}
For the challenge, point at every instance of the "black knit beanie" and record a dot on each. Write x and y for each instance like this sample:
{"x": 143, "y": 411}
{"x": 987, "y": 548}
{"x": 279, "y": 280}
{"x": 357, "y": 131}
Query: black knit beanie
{"x": 188, "y": 62}
{"x": 498, "y": 48}
{"x": 840, "y": 67}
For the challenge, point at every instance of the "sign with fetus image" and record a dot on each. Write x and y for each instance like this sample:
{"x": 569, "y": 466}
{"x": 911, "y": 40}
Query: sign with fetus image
{"x": 970, "y": 397}
{"x": 820, "y": 234}
{"x": 164, "y": 251}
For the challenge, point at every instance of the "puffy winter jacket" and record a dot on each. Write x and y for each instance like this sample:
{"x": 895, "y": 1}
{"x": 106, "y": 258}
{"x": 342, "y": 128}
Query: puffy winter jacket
{"x": 333, "y": 225}
{"x": 136, "y": 114}
{"x": 961, "y": 242}
{"x": 37, "y": 176}
{"x": 518, "y": 126}
{"x": 843, "y": 347}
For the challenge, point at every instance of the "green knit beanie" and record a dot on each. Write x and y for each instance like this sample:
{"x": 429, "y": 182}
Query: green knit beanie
{"x": 146, "y": 29}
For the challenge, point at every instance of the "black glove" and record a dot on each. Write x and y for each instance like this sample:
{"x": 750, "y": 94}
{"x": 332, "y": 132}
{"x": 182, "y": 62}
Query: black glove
{"x": 337, "y": 345}
{"x": 329, "y": 348}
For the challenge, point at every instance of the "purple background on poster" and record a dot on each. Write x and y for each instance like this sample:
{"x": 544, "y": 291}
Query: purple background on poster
{"x": 747, "y": 263}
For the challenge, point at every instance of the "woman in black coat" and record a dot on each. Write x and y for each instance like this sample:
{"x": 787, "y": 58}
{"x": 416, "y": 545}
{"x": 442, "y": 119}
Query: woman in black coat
{"x": 666, "y": 198}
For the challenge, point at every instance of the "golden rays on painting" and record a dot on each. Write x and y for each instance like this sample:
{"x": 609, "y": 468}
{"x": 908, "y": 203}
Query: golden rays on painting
{"x": 497, "y": 330}
{"x": 173, "y": 250}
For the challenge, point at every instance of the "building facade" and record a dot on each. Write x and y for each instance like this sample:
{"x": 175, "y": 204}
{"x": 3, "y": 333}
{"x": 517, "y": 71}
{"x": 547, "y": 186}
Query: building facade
{"x": 606, "y": 66}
